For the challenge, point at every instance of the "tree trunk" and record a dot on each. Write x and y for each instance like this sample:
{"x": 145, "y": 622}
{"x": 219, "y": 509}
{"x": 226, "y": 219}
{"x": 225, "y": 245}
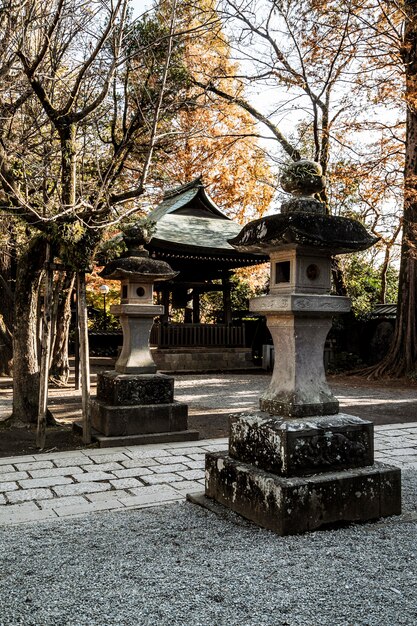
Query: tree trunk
{"x": 7, "y": 276}
{"x": 59, "y": 370}
{"x": 25, "y": 341}
{"x": 6, "y": 349}
{"x": 401, "y": 359}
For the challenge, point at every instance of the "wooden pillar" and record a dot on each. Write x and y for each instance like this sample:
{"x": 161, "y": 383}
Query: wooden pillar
{"x": 227, "y": 302}
{"x": 196, "y": 306}
{"x": 45, "y": 354}
{"x": 165, "y": 302}
{"x": 84, "y": 356}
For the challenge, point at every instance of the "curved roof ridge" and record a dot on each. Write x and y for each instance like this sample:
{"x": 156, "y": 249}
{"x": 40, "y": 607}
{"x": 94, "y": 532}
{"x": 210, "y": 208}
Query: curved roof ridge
{"x": 179, "y": 197}
{"x": 176, "y": 191}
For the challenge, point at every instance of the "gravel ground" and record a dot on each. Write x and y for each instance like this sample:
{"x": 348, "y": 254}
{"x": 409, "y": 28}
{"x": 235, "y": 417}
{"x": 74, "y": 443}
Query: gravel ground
{"x": 180, "y": 565}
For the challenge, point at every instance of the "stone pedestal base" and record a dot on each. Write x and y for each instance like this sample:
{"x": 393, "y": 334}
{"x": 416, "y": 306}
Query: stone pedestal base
{"x": 136, "y": 409}
{"x": 296, "y": 475}
{"x": 294, "y": 505}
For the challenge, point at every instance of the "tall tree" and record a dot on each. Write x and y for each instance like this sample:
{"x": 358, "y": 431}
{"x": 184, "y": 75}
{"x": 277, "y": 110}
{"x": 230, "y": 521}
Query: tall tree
{"x": 215, "y": 139}
{"x": 71, "y": 121}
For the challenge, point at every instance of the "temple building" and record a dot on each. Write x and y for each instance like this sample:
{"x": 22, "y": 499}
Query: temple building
{"x": 191, "y": 235}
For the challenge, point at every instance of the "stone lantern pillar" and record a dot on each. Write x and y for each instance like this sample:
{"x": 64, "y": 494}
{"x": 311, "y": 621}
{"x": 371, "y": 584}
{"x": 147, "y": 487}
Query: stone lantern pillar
{"x": 298, "y": 463}
{"x": 134, "y": 403}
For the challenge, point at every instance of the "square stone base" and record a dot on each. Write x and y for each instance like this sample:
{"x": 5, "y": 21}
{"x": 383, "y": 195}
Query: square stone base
{"x": 137, "y": 440}
{"x": 298, "y": 447}
{"x": 116, "y": 421}
{"x": 289, "y": 506}
{"x": 118, "y": 389}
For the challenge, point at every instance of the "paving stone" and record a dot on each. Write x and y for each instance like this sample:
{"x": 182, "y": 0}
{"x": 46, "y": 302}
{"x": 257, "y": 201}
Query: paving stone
{"x": 126, "y": 483}
{"x": 400, "y": 460}
{"x": 9, "y": 486}
{"x": 185, "y": 451}
{"x": 108, "y": 458}
{"x": 217, "y": 441}
{"x": 58, "y": 502}
{"x": 142, "y": 462}
{"x": 198, "y": 457}
{"x": 35, "y": 483}
{"x": 105, "y": 451}
{"x": 192, "y": 474}
{"x": 77, "y": 489}
{"x": 161, "y": 469}
{"x": 133, "y": 471}
{"x": 28, "y": 494}
{"x": 403, "y": 452}
{"x": 166, "y": 460}
{"x": 14, "y": 476}
{"x": 88, "y": 507}
{"x": 146, "y": 498}
{"x": 187, "y": 486}
{"x": 155, "y": 489}
{"x": 180, "y": 444}
{"x": 106, "y": 495}
{"x": 195, "y": 464}
{"x": 2, "y": 499}
{"x": 150, "y": 448}
{"x": 148, "y": 453}
{"x": 53, "y": 456}
{"x": 93, "y": 476}
{"x": 18, "y": 514}
{"x": 16, "y": 459}
{"x": 6, "y": 468}
{"x": 103, "y": 467}
{"x": 34, "y": 465}
{"x": 72, "y": 460}
{"x": 161, "y": 478}
{"x": 56, "y": 471}
{"x": 216, "y": 448}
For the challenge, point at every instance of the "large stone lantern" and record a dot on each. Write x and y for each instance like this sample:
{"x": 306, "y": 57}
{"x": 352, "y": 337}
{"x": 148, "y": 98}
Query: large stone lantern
{"x": 135, "y": 404}
{"x": 298, "y": 463}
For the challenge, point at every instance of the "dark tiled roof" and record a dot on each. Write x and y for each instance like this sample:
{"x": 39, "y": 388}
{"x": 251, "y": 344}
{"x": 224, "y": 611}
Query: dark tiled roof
{"x": 180, "y": 197}
{"x": 384, "y": 310}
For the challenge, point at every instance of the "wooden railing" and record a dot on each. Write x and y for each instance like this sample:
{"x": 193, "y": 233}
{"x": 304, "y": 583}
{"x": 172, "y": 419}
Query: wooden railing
{"x": 189, "y": 335}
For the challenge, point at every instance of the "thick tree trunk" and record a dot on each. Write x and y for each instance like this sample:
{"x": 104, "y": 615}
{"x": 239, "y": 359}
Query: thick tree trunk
{"x": 401, "y": 359}
{"x": 25, "y": 341}
{"x": 59, "y": 370}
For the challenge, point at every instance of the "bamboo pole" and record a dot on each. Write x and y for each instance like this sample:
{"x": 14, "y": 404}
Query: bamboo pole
{"x": 45, "y": 354}
{"x": 84, "y": 356}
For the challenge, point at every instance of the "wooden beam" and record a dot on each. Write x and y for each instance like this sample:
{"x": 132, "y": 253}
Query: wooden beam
{"x": 45, "y": 355}
{"x": 84, "y": 356}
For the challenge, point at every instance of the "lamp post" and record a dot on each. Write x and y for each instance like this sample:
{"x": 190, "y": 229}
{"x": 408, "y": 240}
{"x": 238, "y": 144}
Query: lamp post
{"x": 104, "y": 289}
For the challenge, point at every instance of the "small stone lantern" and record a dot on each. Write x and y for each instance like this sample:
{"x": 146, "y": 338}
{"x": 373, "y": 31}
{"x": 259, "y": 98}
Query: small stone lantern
{"x": 298, "y": 463}
{"x": 135, "y": 404}
{"x": 137, "y": 273}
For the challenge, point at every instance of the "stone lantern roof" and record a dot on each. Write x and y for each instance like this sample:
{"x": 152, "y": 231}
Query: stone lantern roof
{"x": 302, "y": 221}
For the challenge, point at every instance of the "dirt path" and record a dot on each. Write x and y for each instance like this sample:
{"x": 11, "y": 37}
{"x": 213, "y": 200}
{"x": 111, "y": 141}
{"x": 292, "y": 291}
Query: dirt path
{"x": 211, "y": 399}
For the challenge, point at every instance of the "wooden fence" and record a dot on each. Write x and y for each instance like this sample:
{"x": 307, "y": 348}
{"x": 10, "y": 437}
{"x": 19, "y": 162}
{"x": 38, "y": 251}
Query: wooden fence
{"x": 188, "y": 335}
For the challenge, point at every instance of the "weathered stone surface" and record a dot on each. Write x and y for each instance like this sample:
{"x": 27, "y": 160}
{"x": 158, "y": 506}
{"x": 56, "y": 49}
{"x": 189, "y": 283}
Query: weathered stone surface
{"x": 301, "y": 447}
{"x": 126, "y": 390}
{"x": 298, "y": 386}
{"x": 337, "y": 234}
{"x": 296, "y": 407}
{"x": 133, "y": 420}
{"x": 293, "y": 505}
{"x": 139, "y": 440}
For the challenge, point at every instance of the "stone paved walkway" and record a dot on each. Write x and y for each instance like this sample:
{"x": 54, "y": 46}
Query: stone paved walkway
{"x": 54, "y": 485}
